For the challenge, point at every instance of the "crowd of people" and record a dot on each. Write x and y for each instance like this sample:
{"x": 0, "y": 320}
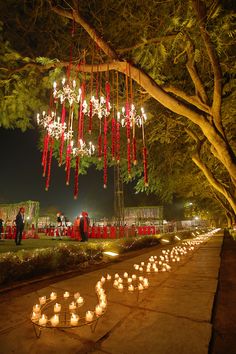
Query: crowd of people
{"x": 80, "y": 226}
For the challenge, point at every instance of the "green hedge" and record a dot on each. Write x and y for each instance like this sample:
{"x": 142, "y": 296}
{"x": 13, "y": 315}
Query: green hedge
{"x": 26, "y": 264}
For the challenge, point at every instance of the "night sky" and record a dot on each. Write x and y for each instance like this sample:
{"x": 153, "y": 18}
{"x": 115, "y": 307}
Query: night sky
{"x": 21, "y": 179}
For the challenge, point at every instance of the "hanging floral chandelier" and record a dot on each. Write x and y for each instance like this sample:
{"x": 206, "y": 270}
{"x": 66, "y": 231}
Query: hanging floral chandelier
{"x": 75, "y": 113}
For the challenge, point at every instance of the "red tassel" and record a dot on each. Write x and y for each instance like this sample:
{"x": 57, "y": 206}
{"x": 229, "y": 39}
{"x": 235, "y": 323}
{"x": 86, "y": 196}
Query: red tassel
{"x": 118, "y": 142}
{"x": 113, "y": 138}
{"x": 105, "y": 154}
{"x": 145, "y": 166}
{"x": 108, "y": 90}
{"x": 68, "y": 159}
{"x": 76, "y": 186}
{"x": 134, "y": 152}
{"x": 49, "y": 165}
{"x": 90, "y": 116}
{"x": 128, "y": 138}
{"x": 100, "y": 146}
{"x": 63, "y": 117}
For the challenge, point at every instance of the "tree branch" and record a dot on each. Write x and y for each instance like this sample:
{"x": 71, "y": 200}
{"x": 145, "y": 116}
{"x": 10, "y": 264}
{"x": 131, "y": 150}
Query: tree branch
{"x": 213, "y": 181}
{"x": 190, "y": 99}
{"x": 200, "y": 10}
{"x": 148, "y": 41}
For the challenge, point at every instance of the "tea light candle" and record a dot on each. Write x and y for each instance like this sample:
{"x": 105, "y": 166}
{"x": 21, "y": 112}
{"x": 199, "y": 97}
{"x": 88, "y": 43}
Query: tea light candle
{"x": 142, "y": 264}
{"x": 53, "y": 296}
{"x": 66, "y": 295}
{"x": 117, "y": 276}
{"x": 54, "y": 320}
{"x": 145, "y": 283}
{"x": 126, "y": 275}
{"x": 120, "y": 287}
{"x": 131, "y": 288}
{"x": 43, "y": 320}
{"x": 140, "y": 278}
{"x": 35, "y": 316}
{"x": 36, "y": 308}
{"x": 89, "y": 316}
{"x": 103, "y": 280}
{"x": 74, "y": 319}
{"x": 148, "y": 270}
{"x": 99, "y": 285}
{"x": 57, "y": 307}
{"x": 156, "y": 270}
{"x": 129, "y": 280}
{"x": 42, "y": 300}
{"x": 80, "y": 300}
{"x": 103, "y": 304}
{"x": 136, "y": 267}
{"x": 108, "y": 277}
{"x": 76, "y": 295}
{"x": 120, "y": 280}
{"x": 140, "y": 287}
{"x": 98, "y": 310}
{"x": 134, "y": 277}
{"x": 141, "y": 269}
{"x": 116, "y": 283}
{"x": 72, "y": 306}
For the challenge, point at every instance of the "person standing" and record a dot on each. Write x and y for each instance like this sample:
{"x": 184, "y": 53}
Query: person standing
{"x": 84, "y": 226}
{"x": 20, "y": 222}
{"x": 1, "y": 228}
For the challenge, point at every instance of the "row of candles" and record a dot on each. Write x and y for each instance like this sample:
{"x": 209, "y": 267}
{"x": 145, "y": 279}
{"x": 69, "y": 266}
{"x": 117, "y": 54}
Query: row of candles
{"x": 42, "y": 319}
{"x": 130, "y": 282}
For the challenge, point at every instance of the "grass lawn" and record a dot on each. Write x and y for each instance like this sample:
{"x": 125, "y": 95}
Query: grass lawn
{"x": 30, "y": 244}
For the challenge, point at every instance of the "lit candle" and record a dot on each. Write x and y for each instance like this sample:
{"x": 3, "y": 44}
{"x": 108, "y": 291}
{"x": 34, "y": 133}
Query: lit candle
{"x": 76, "y": 295}
{"x": 134, "y": 277}
{"x": 103, "y": 304}
{"x": 140, "y": 287}
{"x": 142, "y": 264}
{"x": 108, "y": 277}
{"x": 99, "y": 285}
{"x": 129, "y": 280}
{"x": 66, "y": 294}
{"x": 72, "y": 306}
{"x": 35, "y": 316}
{"x": 42, "y": 300}
{"x": 120, "y": 280}
{"x": 36, "y": 308}
{"x": 140, "y": 269}
{"x": 148, "y": 270}
{"x": 131, "y": 287}
{"x": 98, "y": 310}
{"x": 43, "y": 320}
{"x": 120, "y": 287}
{"x": 140, "y": 278}
{"x": 54, "y": 320}
{"x": 80, "y": 300}
{"x": 103, "y": 280}
{"x": 117, "y": 276}
{"x": 74, "y": 319}
{"x": 53, "y": 296}
{"x": 57, "y": 307}
{"x": 115, "y": 284}
{"x": 126, "y": 275}
{"x": 145, "y": 283}
{"x": 89, "y": 316}
{"x": 136, "y": 267}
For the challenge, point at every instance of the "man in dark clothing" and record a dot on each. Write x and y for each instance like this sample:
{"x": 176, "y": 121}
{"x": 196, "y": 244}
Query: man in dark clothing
{"x": 84, "y": 226}
{"x": 1, "y": 228}
{"x": 20, "y": 222}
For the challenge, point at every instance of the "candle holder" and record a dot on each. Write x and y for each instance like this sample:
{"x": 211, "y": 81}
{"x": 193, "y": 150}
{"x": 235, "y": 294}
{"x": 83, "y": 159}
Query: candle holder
{"x": 63, "y": 313}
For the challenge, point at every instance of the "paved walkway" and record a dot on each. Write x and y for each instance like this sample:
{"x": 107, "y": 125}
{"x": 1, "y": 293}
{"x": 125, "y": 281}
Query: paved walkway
{"x": 173, "y": 316}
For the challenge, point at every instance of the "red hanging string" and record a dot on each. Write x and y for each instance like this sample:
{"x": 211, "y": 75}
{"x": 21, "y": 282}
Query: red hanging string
{"x": 105, "y": 153}
{"x": 145, "y": 167}
{"x": 90, "y": 116}
{"x": 68, "y": 163}
{"x": 76, "y": 185}
{"x": 113, "y": 138}
{"x": 63, "y": 117}
{"x": 49, "y": 164}
{"x": 134, "y": 151}
{"x": 46, "y": 156}
{"x": 127, "y": 113}
{"x": 118, "y": 141}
